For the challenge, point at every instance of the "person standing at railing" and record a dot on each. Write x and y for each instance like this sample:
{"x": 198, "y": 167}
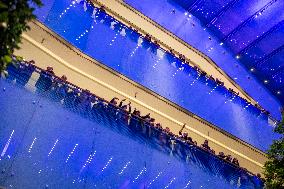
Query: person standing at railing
{"x": 228, "y": 158}
{"x": 99, "y": 107}
{"x": 221, "y": 155}
{"x": 123, "y": 114}
{"x": 125, "y": 106}
{"x": 45, "y": 80}
{"x": 84, "y": 102}
{"x": 121, "y": 103}
{"x": 111, "y": 108}
{"x": 59, "y": 89}
{"x": 69, "y": 98}
{"x": 134, "y": 119}
{"x": 184, "y": 136}
{"x": 205, "y": 146}
{"x": 145, "y": 120}
{"x": 121, "y": 110}
{"x": 76, "y": 101}
{"x": 235, "y": 162}
{"x": 113, "y": 101}
{"x": 147, "y": 125}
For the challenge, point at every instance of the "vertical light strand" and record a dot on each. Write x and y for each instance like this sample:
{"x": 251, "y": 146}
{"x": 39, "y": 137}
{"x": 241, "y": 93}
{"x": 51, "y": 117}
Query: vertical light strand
{"x": 89, "y": 160}
{"x": 124, "y": 168}
{"x": 170, "y": 183}
{"x": 52, "y": 147}
{"x": 154, "y": 179}
{"x": 109, "y": 161}
{"x": 70, "y": 154}
{"x": 7, "y": 144}
{"x": 31, "y": 146}
{"x": 141, "y": 172}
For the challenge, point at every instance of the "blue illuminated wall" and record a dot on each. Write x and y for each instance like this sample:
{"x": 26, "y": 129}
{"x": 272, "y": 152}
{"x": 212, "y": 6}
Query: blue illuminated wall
{"x": 44, "y": 145}
{"x": 195, "y": 21}
{"x": 108, "y": 41}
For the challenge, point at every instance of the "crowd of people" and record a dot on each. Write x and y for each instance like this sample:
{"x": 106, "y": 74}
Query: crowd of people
{"x": 182, "y": 57}
{"x": 71, "y": 96}
{"x": 181, "y": 135}
{"x": 218, "y": 81}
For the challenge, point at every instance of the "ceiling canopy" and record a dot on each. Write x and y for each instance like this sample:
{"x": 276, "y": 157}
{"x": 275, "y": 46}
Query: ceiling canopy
{"x": 252, "y": 29}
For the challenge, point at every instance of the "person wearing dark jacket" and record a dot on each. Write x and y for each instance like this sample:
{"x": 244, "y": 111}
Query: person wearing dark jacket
{"x": 45, "y": 80}
{"x": 59, "y": 89}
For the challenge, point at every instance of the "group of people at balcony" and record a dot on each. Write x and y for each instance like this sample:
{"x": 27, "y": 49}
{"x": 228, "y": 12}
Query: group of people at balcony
{"x": 84, "y": 98}
{"x": 218, "y": 82}
{"x": 87, "y": 103}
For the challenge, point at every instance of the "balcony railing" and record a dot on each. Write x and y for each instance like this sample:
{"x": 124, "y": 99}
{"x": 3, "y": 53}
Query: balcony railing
{"x": 94, "y": 108}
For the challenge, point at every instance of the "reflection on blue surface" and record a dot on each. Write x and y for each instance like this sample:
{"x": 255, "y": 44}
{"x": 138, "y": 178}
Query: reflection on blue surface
{"x": 220, "y": 17}
{"x": 44, "y": 145}
{"x": 105, "y": 39}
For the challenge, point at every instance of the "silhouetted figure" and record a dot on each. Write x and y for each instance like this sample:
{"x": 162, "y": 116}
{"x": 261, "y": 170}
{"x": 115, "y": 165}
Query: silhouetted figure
{"x": 221, "y": 155}
{"x": 205, "y": 145}
{"x": 228, "y": 158}
{"x": 85, "y": 102}
{"x": 135, "y": 120}
{"x": 44, "y": 81}
{"x": 121, "y": 103}
{"x": 60, "y": 89}
{"x": 146, "y": 117}
{"x": 70, "y": 98}
{"x": 114, "y": 101}
{"x": 235, "y": 162}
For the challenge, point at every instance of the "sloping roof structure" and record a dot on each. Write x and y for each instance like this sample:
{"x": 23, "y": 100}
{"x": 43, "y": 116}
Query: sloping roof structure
{"x": 252, "y": 29}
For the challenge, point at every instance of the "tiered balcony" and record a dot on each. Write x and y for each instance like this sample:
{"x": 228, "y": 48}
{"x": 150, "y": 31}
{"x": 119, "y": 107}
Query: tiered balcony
{"x": 99, "y": 35}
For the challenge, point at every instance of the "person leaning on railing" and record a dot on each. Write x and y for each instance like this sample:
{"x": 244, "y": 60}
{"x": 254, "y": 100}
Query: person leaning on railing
{"x": 221, "y": 155}
{"x": 45, "y": 80}
{"x": 82, "y": 99}
{"x": 205, "y": 146}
